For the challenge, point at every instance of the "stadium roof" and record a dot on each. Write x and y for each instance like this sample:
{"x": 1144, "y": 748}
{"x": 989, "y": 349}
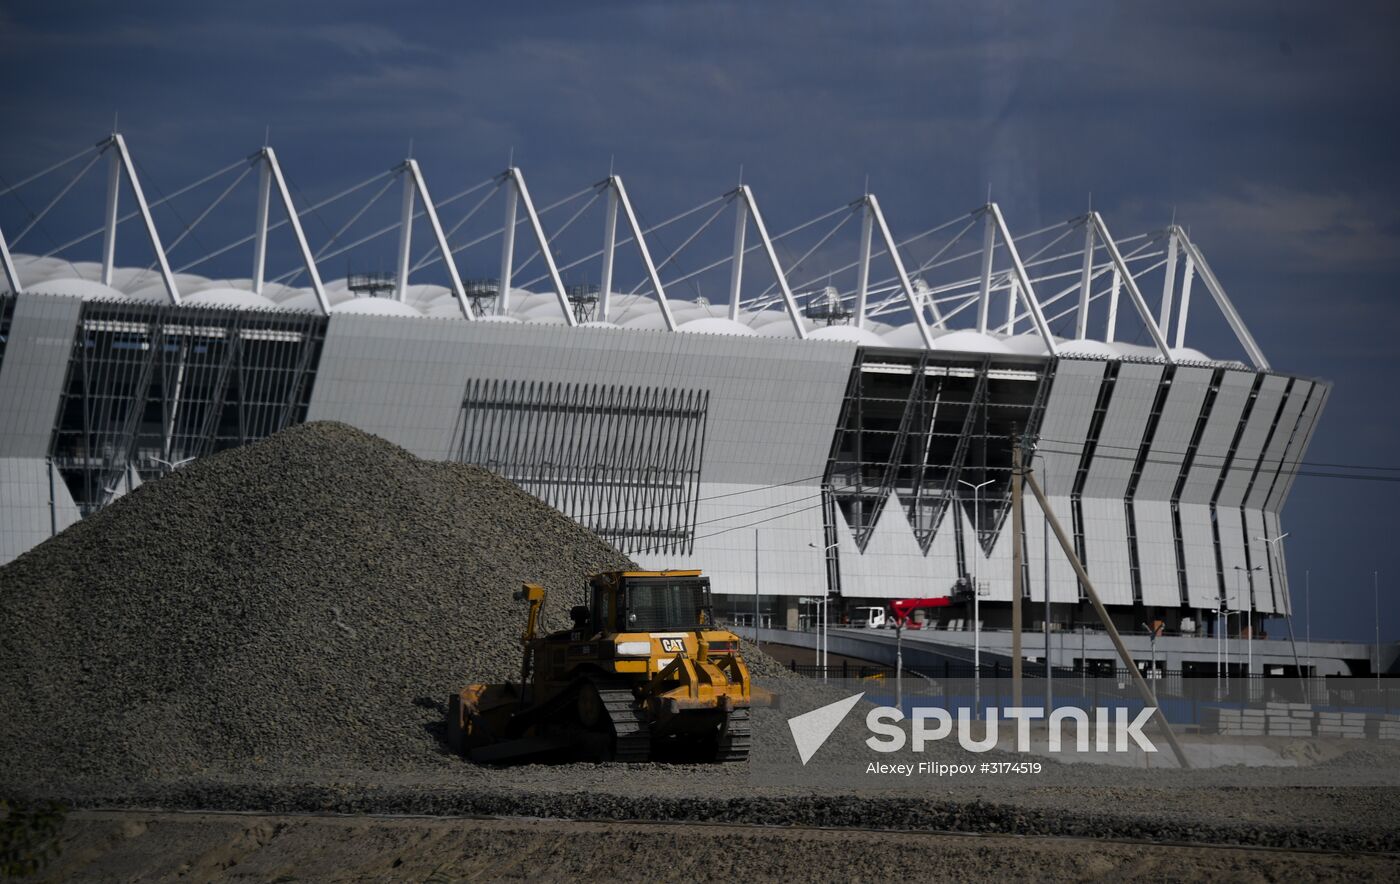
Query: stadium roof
{"x": 966, "y": 285}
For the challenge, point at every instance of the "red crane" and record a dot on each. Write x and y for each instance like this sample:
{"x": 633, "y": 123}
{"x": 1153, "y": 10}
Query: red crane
{"x": 902, "y": 610}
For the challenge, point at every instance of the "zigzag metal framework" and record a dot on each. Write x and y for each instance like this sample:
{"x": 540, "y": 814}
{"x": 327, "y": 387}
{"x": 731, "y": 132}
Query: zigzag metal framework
{"x": 150, "y": 386}
{"x": 624, "y": 461}
{"x": 914, "y": 422}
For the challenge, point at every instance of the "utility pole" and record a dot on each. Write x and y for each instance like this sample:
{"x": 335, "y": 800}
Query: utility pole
{"x": 899, "y": 664}
{"x": 756, "y": 642}
{"x": 1045, "y": 563}
{"x": 1274, "y": 549}
{"x": 1376, "y": 589}
{"x": 1016, "y": 570}
{"x": 1068, "y": 547}
{"x": 1307, "y": 617}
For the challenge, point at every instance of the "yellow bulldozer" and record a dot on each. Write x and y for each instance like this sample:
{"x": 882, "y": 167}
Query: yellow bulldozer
{"x": 642, "y": 672}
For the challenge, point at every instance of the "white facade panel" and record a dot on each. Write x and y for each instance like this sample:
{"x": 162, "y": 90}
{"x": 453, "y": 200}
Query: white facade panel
{"x": 1297, "y": 446}
{"x": 1229, "y": 522}
{"x": 941, "y": 561}
{"x": 1124, "y": 425}
{"x": 1260, "y": 581}
{"x": 1106, "y": 550}
{"x": 1068, "y": 412}
{"x": 994, "y": 569}
{"x": 1251, "y": 444}
{"x": 773, "y": 409}
{"x": 1172, "y": 436}
{"x": 1156, "y": 550}
{"x": 34, "y": 508}
{"x": 1064, "y": 585}
{"x": 1280, "y": 564}
{"x": 1198, "y": 549}
{"x": 1213, "y": 450}
{"x": 40, "y": 343}
{"x": 791, "y": 519}
{"x": 892, "y": 565}
{"x": 1272, "y": 461}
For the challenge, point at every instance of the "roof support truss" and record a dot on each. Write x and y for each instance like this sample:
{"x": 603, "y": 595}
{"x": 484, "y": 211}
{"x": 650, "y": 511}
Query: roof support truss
{"x": 736, "y": 267}
{"x": 405, "y": 235}
{"x": 1027, "y": 290}
{"x": 609, "y": 247}
{"x": 269, "y": 157}
{"x": 915, "y": 307}
{"x": 984, "y": 290}
{"x": 260, "y": 226}
{"x": 1086, "y": 279}
{"x": 746, "y": 195}
{"x": 414, "y": 178}
{"x": 518, "y": 191}
{"x": 652, "y": 275}
{"x": 1168, "y": 283}
{"x": 867, "y": 226}
{"x": 1222, "y": 300}
{"x": 7, "y": 264}
{"x": 109, "y": 236}
{"x": 1186, "y": 276}
{"x": 1134, "y": 294}
{"x": 121, "y": 162}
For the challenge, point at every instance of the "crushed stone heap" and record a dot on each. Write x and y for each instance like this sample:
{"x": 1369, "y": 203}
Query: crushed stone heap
{"x": 302, "y": 601}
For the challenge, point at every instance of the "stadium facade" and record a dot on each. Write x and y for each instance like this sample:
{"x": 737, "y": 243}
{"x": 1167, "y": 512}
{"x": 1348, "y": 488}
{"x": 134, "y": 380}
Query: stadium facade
{"x": 785, "y": 442}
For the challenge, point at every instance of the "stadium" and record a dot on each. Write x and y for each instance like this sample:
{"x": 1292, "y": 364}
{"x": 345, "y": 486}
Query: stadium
{"x": 829, "y": 408}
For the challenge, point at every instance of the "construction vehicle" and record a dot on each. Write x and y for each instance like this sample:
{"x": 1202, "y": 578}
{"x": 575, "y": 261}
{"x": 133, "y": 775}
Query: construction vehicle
{"x": 867, "y": 618}
{"x": 902, "y": 610}
{"x": 641, "y": 672}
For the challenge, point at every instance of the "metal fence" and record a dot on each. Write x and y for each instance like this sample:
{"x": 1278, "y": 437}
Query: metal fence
{"x": 1182, "y": 697}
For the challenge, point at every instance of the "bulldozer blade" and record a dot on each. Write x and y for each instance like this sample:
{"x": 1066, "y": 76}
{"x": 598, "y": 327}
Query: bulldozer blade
{"x": 518, "y": 750}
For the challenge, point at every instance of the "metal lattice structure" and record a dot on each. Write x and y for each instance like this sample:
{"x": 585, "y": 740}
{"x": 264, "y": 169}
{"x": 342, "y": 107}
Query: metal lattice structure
{"x": 912, "y": 426}
{"x": 152, "y": 386}
{"x": 622, "y": 461}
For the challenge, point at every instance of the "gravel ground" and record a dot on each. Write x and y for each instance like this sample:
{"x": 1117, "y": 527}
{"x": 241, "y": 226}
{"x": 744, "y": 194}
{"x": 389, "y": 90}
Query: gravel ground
{"x": 163, "y": 847}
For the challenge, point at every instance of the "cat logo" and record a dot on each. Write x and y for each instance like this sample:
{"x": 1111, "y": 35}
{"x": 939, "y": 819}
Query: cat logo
{"x": 673, "y": 645}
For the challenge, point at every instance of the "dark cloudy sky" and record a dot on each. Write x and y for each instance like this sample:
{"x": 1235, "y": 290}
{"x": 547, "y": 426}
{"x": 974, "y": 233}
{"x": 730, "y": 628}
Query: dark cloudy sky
{"x": 1268, "y": 128}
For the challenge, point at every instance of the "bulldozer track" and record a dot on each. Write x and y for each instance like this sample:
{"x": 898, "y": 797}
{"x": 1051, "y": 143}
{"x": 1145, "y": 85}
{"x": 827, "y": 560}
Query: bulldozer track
{"x": 628, "y": 721}
{"x": 734, "y": 743}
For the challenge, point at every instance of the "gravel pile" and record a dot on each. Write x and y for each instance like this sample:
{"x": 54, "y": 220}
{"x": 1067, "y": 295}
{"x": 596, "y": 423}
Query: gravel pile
{"x": 309, "y": 600}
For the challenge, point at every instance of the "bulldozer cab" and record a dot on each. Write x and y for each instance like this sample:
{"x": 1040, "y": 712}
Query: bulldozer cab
{"x": 649, "y": 601}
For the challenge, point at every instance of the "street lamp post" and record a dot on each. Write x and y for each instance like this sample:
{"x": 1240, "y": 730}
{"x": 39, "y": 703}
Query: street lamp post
{"x": 824, "y": 617}
{"x": 756, "y": 641}
{"x": 1152, "y": 642}
{"x": 1222, "y": 640}
{"x": 1376, "y": 589}
{"x": 976, "y": 589}
{"x": 1249, "y": 614}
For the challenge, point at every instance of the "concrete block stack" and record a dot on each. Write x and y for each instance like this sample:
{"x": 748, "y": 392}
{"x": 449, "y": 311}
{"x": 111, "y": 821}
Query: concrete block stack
{"x": 1289, "y": 719}
{"x": 1252, "y": 722}
{"x": 1351, "y": 725}
{"x": 1232, "y": 722}
{"x": 1384, "y": 727}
